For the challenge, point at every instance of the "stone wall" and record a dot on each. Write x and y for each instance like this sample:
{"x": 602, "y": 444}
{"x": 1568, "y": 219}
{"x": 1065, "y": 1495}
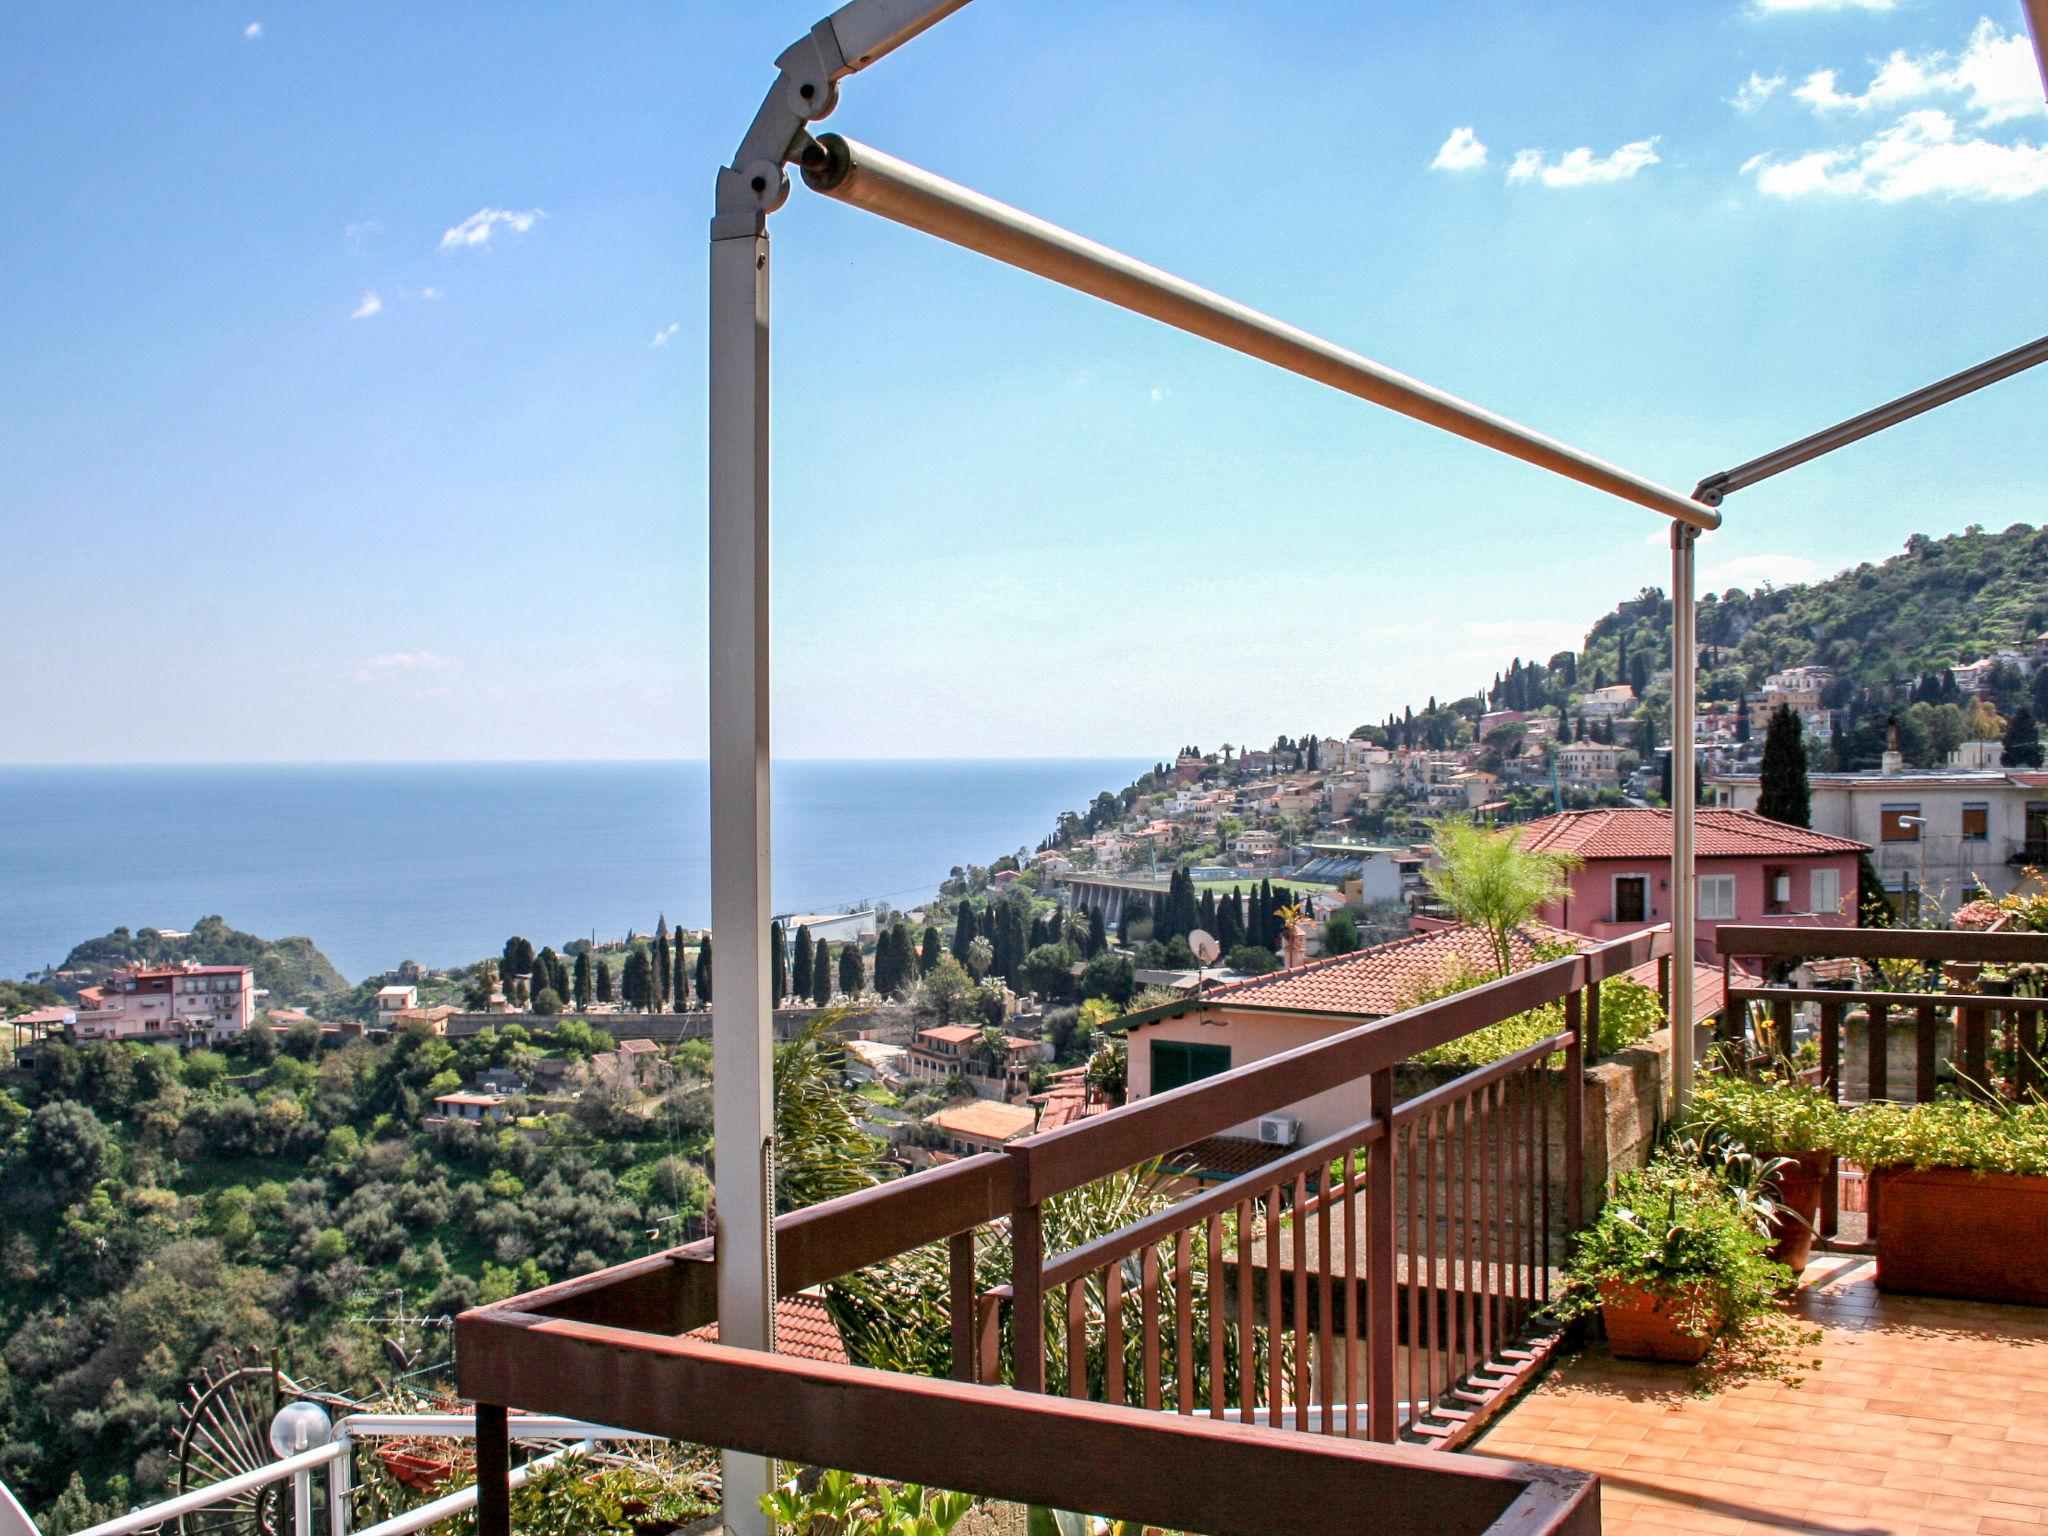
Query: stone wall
{"x": 668, "y": 1028}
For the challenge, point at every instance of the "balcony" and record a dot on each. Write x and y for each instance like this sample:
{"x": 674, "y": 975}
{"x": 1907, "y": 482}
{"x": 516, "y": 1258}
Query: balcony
{"x": 1317, "y": 1330}
{"x": 1921, "y": 1413}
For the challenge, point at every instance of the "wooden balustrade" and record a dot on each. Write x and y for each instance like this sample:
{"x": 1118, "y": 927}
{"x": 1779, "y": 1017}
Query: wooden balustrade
{"x": 1974, "y": 1044}
{"x": 1385, "y": 1283}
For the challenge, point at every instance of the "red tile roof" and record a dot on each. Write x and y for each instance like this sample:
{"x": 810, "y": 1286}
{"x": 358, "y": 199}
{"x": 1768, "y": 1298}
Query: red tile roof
{"x": 1372, "y": 983}
{"x": 1642, "y": 833}
{"x": 803, "y": 1330}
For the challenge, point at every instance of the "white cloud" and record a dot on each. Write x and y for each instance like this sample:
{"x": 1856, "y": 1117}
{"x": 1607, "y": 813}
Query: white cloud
{"x": 1581, "y": 167}
{"x": 356, "y": 234}
{"x": 1759, "y": 570}
{"x": 661, "y": 337}
{"x": 1462, "y": 151}
{"x": 1765, "y": 7}
{"x": 253, "y": 31}
{"x": 1159, "y": 393}
{"x": 367, "y": 306}
{"x": 430, "y": 292}
{"x": 1996, "y": 75}
{"x": 1755, "y": 91}
{"x": 1921, "y": 155}
{"x": 480, "y": 226}
{"x": 399, "y": 663}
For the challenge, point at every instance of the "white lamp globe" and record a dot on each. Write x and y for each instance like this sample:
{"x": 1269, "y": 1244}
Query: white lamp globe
{"x": 300, "y": 1427}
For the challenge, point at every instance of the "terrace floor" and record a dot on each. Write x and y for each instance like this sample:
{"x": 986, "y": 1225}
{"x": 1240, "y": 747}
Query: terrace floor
{"x": 1923, "y": 1416}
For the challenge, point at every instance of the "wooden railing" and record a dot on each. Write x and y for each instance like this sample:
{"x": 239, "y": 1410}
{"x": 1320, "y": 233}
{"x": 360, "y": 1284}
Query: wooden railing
{"x": 1976, "y": 1043}
{"x": 1386, "y": 1283}
{"x": 1966, "y": 1039}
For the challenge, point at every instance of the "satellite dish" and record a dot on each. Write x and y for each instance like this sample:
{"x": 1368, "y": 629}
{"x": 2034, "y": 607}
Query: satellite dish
{"x": 1205, "y": 947}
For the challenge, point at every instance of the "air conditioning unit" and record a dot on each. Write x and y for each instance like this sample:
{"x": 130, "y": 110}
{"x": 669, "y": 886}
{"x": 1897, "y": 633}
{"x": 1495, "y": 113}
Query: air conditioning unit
{"x": 1279, "y": 1130}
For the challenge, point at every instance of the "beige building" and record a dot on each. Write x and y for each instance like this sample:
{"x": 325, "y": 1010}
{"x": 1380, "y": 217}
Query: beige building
{"x": 1936, "y": 835}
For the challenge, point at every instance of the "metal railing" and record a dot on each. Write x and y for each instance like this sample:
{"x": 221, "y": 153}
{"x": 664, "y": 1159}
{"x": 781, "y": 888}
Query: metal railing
{"x": 337, "y": 1458}
{"x": 1383, "y": 1284}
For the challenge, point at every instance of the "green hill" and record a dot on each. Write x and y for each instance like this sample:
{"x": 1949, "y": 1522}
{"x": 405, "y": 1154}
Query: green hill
{"x": 293, "y": 970}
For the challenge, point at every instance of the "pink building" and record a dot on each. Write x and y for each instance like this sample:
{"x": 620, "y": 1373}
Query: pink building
{"x": 181, "y": 1005}
{"x": 1751, "y": 870}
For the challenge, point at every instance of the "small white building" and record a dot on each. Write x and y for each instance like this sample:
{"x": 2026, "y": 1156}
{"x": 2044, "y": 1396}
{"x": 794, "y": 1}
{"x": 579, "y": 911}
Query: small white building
{"x": 394, "y": 1000}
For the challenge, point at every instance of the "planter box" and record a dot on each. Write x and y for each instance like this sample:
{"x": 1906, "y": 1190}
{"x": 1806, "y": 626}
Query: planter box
{"x": 1951, "y": 1232}
{"x": 1640, "y": 1327}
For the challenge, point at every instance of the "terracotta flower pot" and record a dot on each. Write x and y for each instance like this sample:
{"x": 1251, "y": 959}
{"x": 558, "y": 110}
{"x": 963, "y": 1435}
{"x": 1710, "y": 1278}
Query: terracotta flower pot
{"x": 1641, "y": 1325}
{"x": 1800, "y": 1184}
{"x": 424, "y": 1473}
{"x": 1951, "y": 1232}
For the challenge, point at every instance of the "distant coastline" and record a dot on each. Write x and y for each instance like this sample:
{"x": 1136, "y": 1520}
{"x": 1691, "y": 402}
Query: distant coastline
{"x": 438, "y": 862}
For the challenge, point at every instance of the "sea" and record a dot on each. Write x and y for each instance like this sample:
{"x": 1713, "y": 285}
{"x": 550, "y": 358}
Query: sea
{"x": 441, "y": 862}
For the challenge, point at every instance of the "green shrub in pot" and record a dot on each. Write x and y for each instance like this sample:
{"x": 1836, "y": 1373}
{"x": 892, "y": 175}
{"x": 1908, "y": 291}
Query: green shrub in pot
{"x": 1950, "y": 1133}
{"x": 1771, "y": 1116}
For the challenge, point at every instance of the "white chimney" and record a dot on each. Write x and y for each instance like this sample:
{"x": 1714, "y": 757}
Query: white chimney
{"x": 1893, "y": 762}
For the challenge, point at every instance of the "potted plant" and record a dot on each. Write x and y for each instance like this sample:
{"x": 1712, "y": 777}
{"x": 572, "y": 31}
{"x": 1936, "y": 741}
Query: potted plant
{"x": 1793, "y": 1127}
{"x": 1959, "y": 1189}
{"x": 1675, "y": 1258}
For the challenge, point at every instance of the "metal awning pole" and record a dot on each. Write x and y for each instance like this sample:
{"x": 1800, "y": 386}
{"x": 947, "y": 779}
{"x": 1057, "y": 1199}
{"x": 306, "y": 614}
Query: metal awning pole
{"x": 867, "y": 178}
{"x": 1684, "y": 777}
{"x": 742, "y": 1025}
{"x": 1890, "y": 414}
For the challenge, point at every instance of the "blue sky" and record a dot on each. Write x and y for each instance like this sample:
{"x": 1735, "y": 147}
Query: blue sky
{"x": 353, "y": 398}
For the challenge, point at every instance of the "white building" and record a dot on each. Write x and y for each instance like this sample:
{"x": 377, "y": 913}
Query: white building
{"x": 1606, "y": 703}
{"x": 392, "y": 1001}
{"x": 1937, "y": 835}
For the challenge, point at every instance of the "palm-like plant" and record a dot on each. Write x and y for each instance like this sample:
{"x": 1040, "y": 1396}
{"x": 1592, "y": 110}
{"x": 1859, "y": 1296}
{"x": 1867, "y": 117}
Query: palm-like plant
{"x": 1490, "y": 881}
{"x": 991, "y": 1048}
{"x": 821, "y": 1151}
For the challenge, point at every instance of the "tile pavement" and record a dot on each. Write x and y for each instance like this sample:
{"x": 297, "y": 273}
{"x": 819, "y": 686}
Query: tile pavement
{"x": 1924, "y": 1416}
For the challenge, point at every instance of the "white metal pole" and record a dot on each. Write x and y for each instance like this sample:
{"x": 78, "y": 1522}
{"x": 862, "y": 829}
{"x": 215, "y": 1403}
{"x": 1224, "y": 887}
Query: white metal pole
{"x": 854, "y": 173}
{"x": 742, "y": 1019}
{"x": 340, "y": 1481}
{"x": 302, "y": 1504}
{"x": 1684, "y": 889}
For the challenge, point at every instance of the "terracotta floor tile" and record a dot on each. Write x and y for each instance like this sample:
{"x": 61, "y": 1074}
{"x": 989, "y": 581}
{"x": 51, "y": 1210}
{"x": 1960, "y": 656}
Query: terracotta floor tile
{"x": 1924, "y": 1416}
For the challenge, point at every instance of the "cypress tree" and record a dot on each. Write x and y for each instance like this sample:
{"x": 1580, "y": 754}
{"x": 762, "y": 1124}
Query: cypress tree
{"x": 778, "y": 966}
{"x": 1782, "y": 792}
{"x": 681, "y": 973}
{"x": 1123, "y": 920}
{"x": 2022, "y": 740}
{"x": 704, "y": 971}
{"x": 800, "y": 968}
{"x": 661, "y": 963}
{"x": 635, "y": 985}
{"x": 580, "y": 988}
{"x": 518, "y": 959}
{"x": 821, "y": 974}
{"x": 1206, "y": 913}
{"x": 604, "y": 981}
{"x": 1229, "y": 927}
{"x": 965, "y": 931}
{"x": 1098, "y": 933}
{"x": 852, "y": 980}
{"x": 929, "y": 955}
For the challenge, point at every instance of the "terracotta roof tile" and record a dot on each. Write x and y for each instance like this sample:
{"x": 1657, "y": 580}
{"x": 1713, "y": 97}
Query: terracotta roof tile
{"x": 985, "y": 1118}
{"x": 804, "y": 1330}
{"x": 1635, "y": 832}
{"x": 1372, "y": 983}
